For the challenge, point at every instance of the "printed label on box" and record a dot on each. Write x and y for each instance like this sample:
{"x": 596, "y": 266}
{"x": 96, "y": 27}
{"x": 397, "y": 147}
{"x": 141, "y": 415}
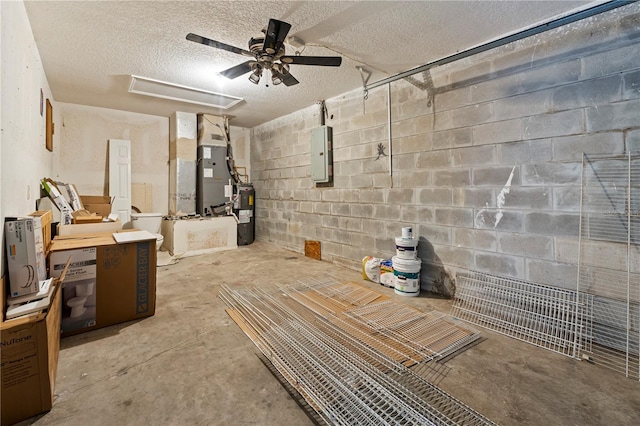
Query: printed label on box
{"x": 25, "y": 272}
{"x": 78, "y": 289}
{"x": 142, "y": 277}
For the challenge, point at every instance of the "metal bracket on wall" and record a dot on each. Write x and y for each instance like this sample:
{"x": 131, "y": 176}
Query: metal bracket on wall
{"x": 425, "y": 84}
{"x": 365, "y": 74}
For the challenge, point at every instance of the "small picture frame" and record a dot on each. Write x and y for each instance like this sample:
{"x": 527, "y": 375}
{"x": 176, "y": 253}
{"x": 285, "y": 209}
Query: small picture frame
{"x": 49, "y": 128}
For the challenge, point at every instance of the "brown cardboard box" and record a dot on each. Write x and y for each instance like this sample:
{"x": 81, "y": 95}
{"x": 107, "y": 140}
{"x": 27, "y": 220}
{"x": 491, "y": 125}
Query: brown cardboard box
{"x": 29, "y": 357}
{"x": 46, "y": 217}
{"x": 97, "y": 204}
{"x": 89, "y": 228}
{"x": 3, "y": 298}
{"x": 82, "y": 220}
{"x": 117, "y": 280}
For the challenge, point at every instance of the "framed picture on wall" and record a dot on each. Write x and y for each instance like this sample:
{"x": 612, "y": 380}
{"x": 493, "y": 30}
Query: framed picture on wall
{"x": 49, "y": 128}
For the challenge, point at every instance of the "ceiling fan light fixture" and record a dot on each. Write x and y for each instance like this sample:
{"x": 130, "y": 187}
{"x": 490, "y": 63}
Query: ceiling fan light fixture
{"x": 278, "y": 73}
{"x": 255, "y": 75}
{"x": 269, "y": 53}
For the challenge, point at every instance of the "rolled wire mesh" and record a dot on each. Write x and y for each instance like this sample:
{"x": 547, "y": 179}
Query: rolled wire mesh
{"x": 552, "y": 318}
{"x": 609, "y": 258}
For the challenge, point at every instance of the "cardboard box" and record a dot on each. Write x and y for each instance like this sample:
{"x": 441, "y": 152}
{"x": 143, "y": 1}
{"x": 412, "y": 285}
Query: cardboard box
{"x": 61, "y": 203}
{"x": 29, "y": 358}
{"x": 25, "y": 255}
{"x": 89, "y": 228}
{"x": 46, "y": 218}
{"x": 3, "y": 297}
{"x": 44, "y": 204}
{"x": 117, "y": 281}
{"x": 74, "y": 198}
{"x": 82, "y": 220}
{"x": 30, "y": 303}
{"x": 97, "y": 204}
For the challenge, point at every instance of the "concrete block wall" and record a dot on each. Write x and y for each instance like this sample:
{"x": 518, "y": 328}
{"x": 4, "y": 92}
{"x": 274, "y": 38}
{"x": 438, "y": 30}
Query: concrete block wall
{"x": 487, "y": 168}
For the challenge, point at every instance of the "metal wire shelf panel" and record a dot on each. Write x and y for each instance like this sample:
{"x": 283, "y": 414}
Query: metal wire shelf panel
{"x": 552, "y": 318}
{"x": 609, "y": 258}
{"x": 426, "y": 336}
{"x": 332, "y": 296}
{"x": 339, "y": 375}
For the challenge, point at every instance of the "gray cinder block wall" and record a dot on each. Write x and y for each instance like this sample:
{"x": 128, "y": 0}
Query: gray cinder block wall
{"x": 487, "y": 170}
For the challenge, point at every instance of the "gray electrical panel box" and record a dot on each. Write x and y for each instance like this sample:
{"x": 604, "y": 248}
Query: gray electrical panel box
{"x": 322, "y": 154}
{"x": 212, "y": 175}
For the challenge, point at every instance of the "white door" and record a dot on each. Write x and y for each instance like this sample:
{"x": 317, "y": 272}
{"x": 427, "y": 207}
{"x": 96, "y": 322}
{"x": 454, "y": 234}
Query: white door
{"x": 120, "y": 178}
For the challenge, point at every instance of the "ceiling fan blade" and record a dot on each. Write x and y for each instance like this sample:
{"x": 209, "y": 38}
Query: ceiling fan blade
{"x": 238, "y": 70}
{"x": 289, "y": 80}
{"x": 218, "y": 45}
{"x": 276, "y": 33}
{"x": 325, "y": 61}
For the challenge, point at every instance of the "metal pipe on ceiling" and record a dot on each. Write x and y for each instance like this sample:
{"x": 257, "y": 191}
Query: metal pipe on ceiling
{"x": 583, "y": 14}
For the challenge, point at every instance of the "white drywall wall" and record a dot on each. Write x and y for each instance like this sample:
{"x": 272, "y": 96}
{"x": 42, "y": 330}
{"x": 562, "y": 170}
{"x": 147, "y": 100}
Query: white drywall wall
{"x": 25, "y": 159}
{"x": 84, "y": 150}
{"x": 240, "y": 142}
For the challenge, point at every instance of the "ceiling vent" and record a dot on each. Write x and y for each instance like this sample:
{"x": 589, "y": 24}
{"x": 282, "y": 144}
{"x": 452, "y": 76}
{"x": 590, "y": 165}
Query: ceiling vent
{"x": 162, "y": 89}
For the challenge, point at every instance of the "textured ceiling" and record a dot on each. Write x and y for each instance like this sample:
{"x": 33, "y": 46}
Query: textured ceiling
{"x": 90, "y": 49}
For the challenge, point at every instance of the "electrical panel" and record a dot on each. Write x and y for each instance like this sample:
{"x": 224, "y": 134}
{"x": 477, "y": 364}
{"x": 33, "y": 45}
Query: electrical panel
{"x": 322, "y": 154}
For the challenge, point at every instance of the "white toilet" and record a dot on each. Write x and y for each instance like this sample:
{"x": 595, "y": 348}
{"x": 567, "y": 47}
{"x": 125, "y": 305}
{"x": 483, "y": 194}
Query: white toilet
{"x": 83, "y": 291}
{"x": 149, "y": 222}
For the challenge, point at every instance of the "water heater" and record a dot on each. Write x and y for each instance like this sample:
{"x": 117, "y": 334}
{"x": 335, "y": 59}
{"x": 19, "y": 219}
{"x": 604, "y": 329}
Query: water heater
{"x": 244, "y": 208}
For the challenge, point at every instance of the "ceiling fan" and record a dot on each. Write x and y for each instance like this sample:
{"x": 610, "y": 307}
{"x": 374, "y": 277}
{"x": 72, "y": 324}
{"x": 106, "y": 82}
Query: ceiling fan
{"x": 267, "y": 53}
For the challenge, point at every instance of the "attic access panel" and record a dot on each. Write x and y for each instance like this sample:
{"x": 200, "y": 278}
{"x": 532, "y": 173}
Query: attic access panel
{"x": 176, "y": 92}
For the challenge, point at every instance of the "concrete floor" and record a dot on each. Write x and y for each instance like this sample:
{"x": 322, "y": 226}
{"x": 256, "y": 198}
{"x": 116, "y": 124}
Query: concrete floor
{"x": 190, "y": 364}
